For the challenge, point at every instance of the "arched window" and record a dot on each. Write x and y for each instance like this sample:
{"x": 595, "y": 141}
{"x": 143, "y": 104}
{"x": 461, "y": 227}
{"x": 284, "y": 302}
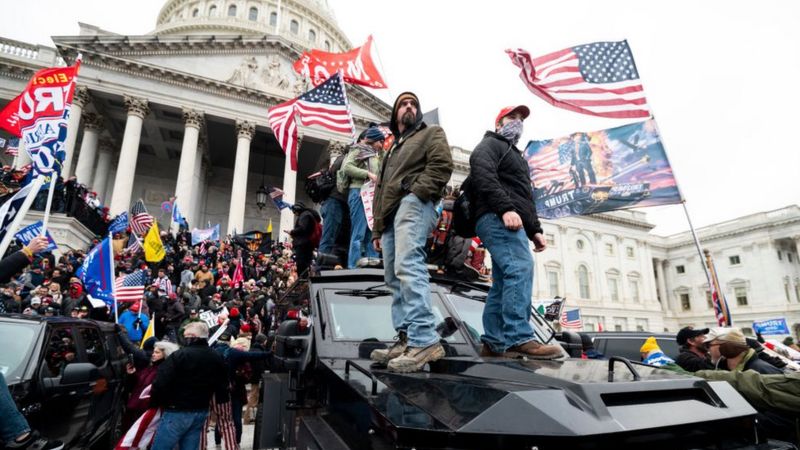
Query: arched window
{"x": 232, "y": 11}
{"x": 212, "y": 11}
{"x": 327, "y": 46}
{"x": 196, "y": 12}
{"x": 583, "y": 281}
{"x": 253, "y": 14}
{"x": 273, "y": 18}
{"x": 294, "y": 26}
{"x": 312, "y": 35}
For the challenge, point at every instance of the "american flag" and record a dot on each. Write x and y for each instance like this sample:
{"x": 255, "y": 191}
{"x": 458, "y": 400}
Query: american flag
{"x": 599, "y": 79}
{"x": 130, "y": 288}
{"x": 326, "y": 105}
{"x": 134, "y": 246}
{"x": 12, "y": 148}
{"x": 571, "y": 318}
{"x": 140, "y": 221}
{"x": 276, "y": 195}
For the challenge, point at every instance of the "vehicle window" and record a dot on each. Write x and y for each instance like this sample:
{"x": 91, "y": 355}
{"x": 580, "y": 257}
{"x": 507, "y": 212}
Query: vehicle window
{"x": 61, "y": 352}
{"x": 358, "y": 318}
{"x": 629, "y": 347}
{"x": 17, "y": 341}
{"x": 470, "y": 312}
{"x": 93, "y": 343}
{"x": 114, "y": 347}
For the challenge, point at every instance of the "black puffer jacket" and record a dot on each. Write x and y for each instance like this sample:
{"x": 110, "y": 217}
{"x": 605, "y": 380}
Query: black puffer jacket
{"x": 500, "y": 182}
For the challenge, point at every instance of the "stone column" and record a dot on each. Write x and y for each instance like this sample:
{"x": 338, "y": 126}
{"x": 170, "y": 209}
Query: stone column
{"x": 92, "y": 126}
{"x": 662, "y": 286}
{"x": 126, "y": 169}
{"x": 191, "y": 215}
{"x": 289, "y": 191}
{"x": 100, "y": 180}
{"x": 193, "y": 121}
{"x": 244, "y": 132}
{"x": 80, "y": 99}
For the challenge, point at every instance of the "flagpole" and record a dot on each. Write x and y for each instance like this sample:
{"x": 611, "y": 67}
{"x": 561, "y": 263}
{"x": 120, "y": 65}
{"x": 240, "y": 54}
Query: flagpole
{"x": 12, "y": 228}
{"x": 113, "y": 278}
{"x": 50, "y": 191}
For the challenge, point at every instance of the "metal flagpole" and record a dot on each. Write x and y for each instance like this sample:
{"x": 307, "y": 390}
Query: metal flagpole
{"x": 36, "y": 185}
{"x": 113, "y": 278}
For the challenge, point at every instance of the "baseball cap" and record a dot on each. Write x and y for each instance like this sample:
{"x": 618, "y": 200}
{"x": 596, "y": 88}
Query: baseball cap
{"x": 522, "y": 109}
{"x": 687, "y": 333}
{"x": 733, "y": 335}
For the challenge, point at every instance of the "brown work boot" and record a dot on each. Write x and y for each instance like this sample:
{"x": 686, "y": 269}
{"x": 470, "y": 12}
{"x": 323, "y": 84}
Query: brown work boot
{"x": 486, "y": 351}
{"x": 414, "y": 358}
{"x": 383, "y": 355}
{"x": 536, "y": 350}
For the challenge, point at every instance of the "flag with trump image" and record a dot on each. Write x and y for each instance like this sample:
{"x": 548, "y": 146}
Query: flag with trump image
{"x": 598, "y": 171}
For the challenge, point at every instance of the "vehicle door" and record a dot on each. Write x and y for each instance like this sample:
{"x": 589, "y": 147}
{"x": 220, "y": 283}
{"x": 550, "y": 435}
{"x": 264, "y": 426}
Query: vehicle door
{"x": 93, "y": 351}
{"x": 65, "y": 400}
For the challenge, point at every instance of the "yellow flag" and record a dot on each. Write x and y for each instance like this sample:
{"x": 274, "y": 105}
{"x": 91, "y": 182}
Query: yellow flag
{"x": 269, "y": 228}
{"x": 153, "y": 248}
{"x": 151, "y": 331}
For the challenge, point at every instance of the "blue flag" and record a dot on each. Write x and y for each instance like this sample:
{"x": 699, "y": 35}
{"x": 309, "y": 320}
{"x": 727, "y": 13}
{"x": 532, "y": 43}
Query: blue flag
{"x": 11, "y": 207}
{"x": 33, "y": 230}
{"x": 177, "y": 217}
{"x": 119, "y": 224}
{"x": 207, "y": 234}
{"x": 96, "y": 273}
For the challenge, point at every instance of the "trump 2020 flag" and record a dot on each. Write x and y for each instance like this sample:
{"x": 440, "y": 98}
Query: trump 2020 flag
{"x": 97, "y": 275}
{"x": 599, "y": 171}
{"x": 119, "y": 224}
{"x": 599, "y": 79}
{"x": 26, "y": 235}
{"x": 40, "y": 114}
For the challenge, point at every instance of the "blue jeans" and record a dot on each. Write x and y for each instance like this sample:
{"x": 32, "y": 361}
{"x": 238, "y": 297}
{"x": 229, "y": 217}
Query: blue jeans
{"x": 332, "y": 212}
{"x": 360, "y": 237}
{"x": 507, "y": 314}
{"x": 12, "y": 422}
{"x": 405, "y": 272}
{"x": 181, "y": 428}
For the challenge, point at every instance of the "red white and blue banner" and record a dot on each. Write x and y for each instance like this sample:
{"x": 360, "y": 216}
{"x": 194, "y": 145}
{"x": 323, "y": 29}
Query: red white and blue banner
{"x": 599, "y": 171}
{"x": 26, "y": 235}
{"x": 39, "y": 116}
{"x": 96, "y": 274}
{"x": 357, "y": 66}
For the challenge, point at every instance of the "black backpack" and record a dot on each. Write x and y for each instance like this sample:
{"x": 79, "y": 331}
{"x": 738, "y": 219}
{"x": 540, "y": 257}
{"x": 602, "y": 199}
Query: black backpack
{"x": 319, "y": 188}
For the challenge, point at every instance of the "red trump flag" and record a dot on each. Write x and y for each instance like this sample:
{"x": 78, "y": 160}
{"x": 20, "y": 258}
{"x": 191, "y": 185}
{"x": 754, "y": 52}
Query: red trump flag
{"x": 357, "y": 66}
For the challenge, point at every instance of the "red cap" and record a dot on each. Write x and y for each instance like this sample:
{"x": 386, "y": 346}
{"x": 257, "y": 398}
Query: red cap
{"x": 173, "y": 295}
{"x": 234, "y": 312}
{"x": 245, "y": 328}
{"x": 509, "y": 109}
{"x": 134, "y": 307}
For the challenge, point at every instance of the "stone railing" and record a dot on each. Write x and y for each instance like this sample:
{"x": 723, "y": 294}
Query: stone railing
{"x": 23, "y": 50}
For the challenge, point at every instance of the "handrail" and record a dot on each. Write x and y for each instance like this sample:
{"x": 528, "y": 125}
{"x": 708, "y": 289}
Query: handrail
{"x": 613, "y": 359}
{"x": 366, "y": 372}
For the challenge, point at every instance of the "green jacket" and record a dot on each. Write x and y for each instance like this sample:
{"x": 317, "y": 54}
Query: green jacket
{"x": 762, "y": 391}
{"x": 419, "y": 162}
{"x": 357, "y": 171}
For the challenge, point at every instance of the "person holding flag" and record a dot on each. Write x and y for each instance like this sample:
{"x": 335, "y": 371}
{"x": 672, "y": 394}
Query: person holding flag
{"x": 134, "y": 322}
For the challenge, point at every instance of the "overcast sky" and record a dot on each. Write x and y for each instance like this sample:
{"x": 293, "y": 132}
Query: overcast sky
{"x": 721, "y": 77}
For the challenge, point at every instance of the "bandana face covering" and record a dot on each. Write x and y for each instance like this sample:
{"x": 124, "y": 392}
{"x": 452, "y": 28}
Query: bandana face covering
{"x": 511, "y": 131}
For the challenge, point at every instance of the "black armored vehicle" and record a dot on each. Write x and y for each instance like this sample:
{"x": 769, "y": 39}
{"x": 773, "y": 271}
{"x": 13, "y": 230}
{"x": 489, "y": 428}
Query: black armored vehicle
{"x": 327, "y": 394}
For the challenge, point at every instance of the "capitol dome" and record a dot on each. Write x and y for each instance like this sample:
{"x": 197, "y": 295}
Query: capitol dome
{"x": 309, "y": 23}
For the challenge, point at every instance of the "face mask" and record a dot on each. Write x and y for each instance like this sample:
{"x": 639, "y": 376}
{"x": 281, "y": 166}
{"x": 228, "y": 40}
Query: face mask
{"x": 511, "y": 131}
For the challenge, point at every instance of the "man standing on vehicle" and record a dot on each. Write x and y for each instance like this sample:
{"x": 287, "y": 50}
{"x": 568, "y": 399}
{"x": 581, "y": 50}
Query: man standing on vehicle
{"x": 413, "y": 177}
{"x": 500, "y": 188}
{"x": 185, "y": 383}
{"x": 693, "y": 354}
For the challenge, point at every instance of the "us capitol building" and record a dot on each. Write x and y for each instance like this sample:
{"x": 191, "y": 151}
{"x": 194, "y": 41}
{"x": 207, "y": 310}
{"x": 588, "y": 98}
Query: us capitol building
{"x": 182, "y": 111}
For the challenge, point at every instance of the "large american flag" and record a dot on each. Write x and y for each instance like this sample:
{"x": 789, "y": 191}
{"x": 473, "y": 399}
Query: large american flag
{"x": 571, "y": 318}
{"x": 130, "y": 288}
{"x": 599, "y": 79}
{"x": 326, "y": 105}
{"x": 140, "y": 221}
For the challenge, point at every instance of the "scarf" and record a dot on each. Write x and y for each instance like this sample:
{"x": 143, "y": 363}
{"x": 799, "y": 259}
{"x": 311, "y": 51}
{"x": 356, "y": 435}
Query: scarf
{"x": 364, "y": 151}
{"x": 511, "y": 131}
